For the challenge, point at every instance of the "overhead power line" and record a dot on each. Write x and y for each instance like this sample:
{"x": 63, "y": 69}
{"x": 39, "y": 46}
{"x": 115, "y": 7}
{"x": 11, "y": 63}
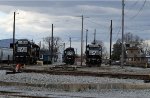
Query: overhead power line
{"x": 96, "y": 23}
{"x": 139, "y": 10}
{"x": 132, "y": 6}
{"x": 118, "y": 33}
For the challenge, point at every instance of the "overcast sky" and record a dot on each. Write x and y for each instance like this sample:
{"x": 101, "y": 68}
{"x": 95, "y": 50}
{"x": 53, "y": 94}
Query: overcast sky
{"x": 35, "y": 17}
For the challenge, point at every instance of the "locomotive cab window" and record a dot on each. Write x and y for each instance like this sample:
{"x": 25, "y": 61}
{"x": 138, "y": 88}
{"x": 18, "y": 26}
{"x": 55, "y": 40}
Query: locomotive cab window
{"x": 94, "y": 48}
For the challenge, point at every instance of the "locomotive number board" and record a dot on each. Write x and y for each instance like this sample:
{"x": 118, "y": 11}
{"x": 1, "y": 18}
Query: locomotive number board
{"x": 22, "y": 42}
{"x": 22, "y": 49}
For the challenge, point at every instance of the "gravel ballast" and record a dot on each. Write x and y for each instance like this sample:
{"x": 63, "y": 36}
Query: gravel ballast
{"x": 35, "y": 78}
{"x": 46, "y": 79}
{"x": 81, "y": 94}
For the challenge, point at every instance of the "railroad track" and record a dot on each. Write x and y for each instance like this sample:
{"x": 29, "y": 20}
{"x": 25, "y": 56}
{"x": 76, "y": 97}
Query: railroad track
{"x": 96, "y": 74}
{"x": 8, "y": 94}
{"x": 19, "y": 95}
{"x": 124, "y": 75}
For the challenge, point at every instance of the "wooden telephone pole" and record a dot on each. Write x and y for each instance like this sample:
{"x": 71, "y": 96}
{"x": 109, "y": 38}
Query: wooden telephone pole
{"x": 14, "y": 38}
{"x": 95, "y": 36}
{"x": 110, "y": 41}
{"x": 82, "y": 42}
{"x": 86, "y": 38}
{"x": 122, "y": 55}
{"x": 70, "y": 41}
{"x": 52, "y": 42}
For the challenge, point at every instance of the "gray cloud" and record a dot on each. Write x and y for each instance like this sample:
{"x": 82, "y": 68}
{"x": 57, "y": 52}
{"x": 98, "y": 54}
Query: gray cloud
{"x": 35, "y": 18}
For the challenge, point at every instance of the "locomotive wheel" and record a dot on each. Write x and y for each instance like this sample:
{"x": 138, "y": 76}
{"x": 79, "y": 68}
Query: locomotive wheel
{"x": 99, "y": 65}
{"x": 71, "y": 63}
{"x": 88, "y": 65}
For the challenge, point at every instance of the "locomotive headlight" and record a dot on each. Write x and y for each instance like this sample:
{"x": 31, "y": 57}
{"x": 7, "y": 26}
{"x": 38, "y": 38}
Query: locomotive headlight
{"x": 87, "y": 49}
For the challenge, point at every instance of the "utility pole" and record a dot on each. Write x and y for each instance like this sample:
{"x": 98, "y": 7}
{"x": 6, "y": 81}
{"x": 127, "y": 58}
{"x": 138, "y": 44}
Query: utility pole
{"x": 64, "y": 46}
{"x": 86, "y": 38}
{"x": 122, "y": 55}
{"x": 76, "y": 51}
{"x": 95, "y": 36}
{"x": 40, "y": 44}
{"x": 49, "y": 45}
{"x": 82, "y": 39}
{"x": 82, "y": 42}
{"x": 70, "y": 41}
{"x": 14, "y": 39}
{"x": 52, "y": 46}
{"x": 110, "y": 40}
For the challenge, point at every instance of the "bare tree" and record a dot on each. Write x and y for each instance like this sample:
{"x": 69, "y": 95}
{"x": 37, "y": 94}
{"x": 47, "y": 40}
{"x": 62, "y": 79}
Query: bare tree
{"x": 129, "y": 37}
{"x": 48, "y": 44}
{"x": 145, "y": 48}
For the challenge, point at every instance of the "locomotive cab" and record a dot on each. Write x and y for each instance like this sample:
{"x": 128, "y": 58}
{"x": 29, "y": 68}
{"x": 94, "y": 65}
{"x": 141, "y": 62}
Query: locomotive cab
{"x": 93, "y": 54}
{"x": 26, "y": 52}
{"x": 69, "y": 56}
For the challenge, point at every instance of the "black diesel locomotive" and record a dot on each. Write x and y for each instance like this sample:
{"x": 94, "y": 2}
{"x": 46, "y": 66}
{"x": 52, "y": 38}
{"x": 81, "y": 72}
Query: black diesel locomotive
{"x": 26, "y": 52}
{"x": 93, "y": 54}
{"x": 69, "y": 56}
